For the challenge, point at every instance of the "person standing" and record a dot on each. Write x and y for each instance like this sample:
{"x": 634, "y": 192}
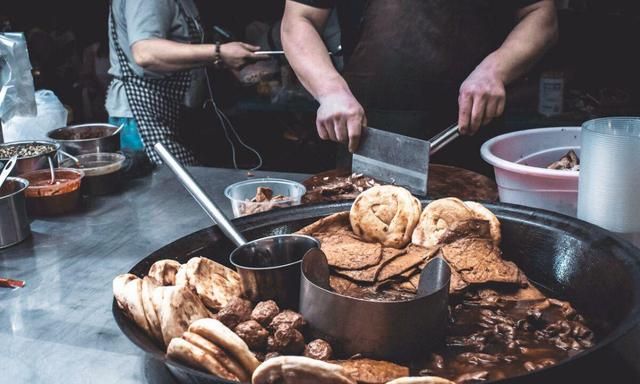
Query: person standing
{"x": 417, "y": 65}
{"x": 158, "y": 58}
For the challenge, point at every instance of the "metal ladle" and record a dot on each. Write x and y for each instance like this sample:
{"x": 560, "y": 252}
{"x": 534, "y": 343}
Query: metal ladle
{"x": 269, "y": 267}
{"x": 6, "y": 170}
{"x": 52, "y": 170}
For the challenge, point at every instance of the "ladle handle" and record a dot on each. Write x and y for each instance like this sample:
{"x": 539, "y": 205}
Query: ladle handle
{"x": 201, "y": 196}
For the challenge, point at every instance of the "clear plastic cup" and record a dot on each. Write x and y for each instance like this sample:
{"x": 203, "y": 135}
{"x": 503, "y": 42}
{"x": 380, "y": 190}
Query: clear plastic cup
{"x": 609, "y": 185}
{"x": 240, "y": 195}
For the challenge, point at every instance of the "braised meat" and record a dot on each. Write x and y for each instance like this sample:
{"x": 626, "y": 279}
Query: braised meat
{"x": 287, "y": 319}
{"x": 253, "y": 334}
{"x": 264, "y": 312}
{"x": 318, "y": 349}
{"x": 568, "y": 162}
{"x": 235, "y": 312}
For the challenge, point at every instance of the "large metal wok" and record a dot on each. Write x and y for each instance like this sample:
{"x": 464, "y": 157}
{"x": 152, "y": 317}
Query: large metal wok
{"x": 598, "y": 273}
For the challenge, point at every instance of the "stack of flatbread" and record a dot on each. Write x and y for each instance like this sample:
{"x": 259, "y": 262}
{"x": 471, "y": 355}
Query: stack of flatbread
{"x": 386, "y": 240}
{"x": 172, "y": 296}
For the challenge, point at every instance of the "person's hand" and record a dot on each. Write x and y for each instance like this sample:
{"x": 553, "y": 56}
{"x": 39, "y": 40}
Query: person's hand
{"x": 236, "y": 55}
{"x": 481, "y": 99}
{"x": 341, "y": 118}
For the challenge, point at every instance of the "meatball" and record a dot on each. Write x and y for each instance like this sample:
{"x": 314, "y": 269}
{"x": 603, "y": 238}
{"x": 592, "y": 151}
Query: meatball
{"x": 253, "y": 334}
{"x": 287, "y": 341}
{"x": 287, "y": 319}
{"x": 235, "y": 312}
{"x": 318, "y": 349}
{"x": 264, "y": 312}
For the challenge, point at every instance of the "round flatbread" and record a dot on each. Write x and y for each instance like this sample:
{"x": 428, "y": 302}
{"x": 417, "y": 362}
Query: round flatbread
{"x": 438, "y": 218}
{"x": 217, "y": 353}
{"x": 185, "y": 352}
{"x": 217, "y": 333}
{"x": 150, "y": 313}
{"x": 421, "y": 380}
{"x": 180, "y": 307}
{"x": 118, "y": 288}
{"x": 299, "y": 370}
{"x": 215, "y": 284}
{"x": 483, "y": 213}
{"x": 163, "y": 272}
{"x": 133, "y": 304}
{"x": 386, "y": 214}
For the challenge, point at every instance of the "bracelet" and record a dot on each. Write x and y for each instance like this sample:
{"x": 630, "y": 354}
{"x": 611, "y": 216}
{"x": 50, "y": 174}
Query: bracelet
{"x": 217, "y": 58}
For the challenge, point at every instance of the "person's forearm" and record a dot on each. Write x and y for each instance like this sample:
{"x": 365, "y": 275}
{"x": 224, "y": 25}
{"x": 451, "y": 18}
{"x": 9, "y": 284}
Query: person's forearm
{"x": 160, "y": 55}
{"x": 536, "y": 31}
{"x": 308, "y": 56}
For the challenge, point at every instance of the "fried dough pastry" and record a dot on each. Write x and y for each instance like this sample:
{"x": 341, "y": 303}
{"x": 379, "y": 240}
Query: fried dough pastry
{"x": 386, "y": 214}
{"x": 299, "y": 370}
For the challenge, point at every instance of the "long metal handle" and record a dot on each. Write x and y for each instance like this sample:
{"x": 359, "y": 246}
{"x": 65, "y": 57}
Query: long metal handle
{"x": 443, "y": 138}
{"x": 8, "y": 167}
{"x": 200, "y": 196}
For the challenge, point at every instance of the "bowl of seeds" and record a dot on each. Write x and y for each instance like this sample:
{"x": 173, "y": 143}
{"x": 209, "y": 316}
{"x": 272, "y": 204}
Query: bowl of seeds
{"x": 32, "y": 155}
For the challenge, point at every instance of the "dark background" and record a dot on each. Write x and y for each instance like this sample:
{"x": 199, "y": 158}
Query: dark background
{"x": 596, "y": 55}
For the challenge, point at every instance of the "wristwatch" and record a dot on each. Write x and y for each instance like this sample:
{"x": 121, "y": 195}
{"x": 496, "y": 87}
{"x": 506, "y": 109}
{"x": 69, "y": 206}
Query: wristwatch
{"x": 217, "y": 58}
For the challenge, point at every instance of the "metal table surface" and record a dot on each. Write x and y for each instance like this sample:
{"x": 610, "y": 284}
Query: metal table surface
{"x": 59, "y": 328}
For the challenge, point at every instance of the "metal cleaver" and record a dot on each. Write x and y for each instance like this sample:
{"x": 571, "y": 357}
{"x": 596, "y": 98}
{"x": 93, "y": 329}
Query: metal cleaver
{"x": 398, "y": 159}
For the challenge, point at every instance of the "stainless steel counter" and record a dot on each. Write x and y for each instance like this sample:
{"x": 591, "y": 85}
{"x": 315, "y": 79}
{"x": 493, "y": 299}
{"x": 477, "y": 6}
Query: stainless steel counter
{"x": 59, "y": 328}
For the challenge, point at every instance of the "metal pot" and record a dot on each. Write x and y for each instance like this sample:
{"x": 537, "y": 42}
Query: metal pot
{"x": 14, "y": 223}
{"x": 33, "y": 163}
{"x": 87, "y": 138}
{"x": 597, "y": 272}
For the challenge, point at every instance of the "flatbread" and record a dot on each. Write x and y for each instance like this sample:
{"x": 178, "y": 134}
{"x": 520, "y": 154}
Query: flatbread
{"x": 185, "y": 352}
{"x": 348, "y": 252}
{"x": 133, "y": 304}
{"x": 233, "y": 345}
{"x": 483, "y": 213}
{"x": 368, "y": 371}
{"x": 215, "y": 284}
{"x": 436, "y": 219}
{"x": 119, "y": 282}
{"x": 479, "y": 261}
{"x": 149, "y": 310}
{"x": 387, "y": 214}
{"x": 299, "y": 370}
{"x": 180, "y": 307}
{"x": 421, "y": 380}
{"x": 217, "y": 353}
{"x": 163, "y": 272}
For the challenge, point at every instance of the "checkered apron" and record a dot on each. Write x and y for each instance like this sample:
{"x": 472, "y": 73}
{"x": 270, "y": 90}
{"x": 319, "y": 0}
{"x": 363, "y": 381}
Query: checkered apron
{"x": 157, "y": 104}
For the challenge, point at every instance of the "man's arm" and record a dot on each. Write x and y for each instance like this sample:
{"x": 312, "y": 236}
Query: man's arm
{"x": 161, "y": 55}
{"x": 482, "y": 94}
{"x": 340, "y": 116}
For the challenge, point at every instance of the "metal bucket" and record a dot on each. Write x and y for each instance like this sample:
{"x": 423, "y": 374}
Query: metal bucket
{"x": 14, "y": 223}
{"x": 378, "y": 329}
{"x": 87, "y": 138}
{"x": 33, "y": 163}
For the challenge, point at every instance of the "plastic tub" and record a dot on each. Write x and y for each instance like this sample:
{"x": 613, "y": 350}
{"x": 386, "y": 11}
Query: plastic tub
{"x": 44, "y": 199}
{"x": 519, "y": 161}
{"x": 101, "y": 170}
{"x": 241, "y": 193}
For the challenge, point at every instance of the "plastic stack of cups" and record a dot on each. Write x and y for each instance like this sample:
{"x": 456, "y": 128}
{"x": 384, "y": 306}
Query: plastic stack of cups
{"x": 609, "y": 186}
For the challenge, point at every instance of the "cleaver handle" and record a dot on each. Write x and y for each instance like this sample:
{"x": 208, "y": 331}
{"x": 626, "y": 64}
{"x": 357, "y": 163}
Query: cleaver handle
{"x": 443, "y": 138}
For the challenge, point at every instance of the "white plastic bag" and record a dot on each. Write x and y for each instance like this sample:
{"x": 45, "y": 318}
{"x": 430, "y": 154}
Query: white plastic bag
{"x": 51, "y": 115}
{"x": 16, "y": 82}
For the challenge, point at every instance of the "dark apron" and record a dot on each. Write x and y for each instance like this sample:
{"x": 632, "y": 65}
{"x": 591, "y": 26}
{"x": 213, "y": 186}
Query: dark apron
{"x": 413, "y": 55}
{"x": 158, "y": 104}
